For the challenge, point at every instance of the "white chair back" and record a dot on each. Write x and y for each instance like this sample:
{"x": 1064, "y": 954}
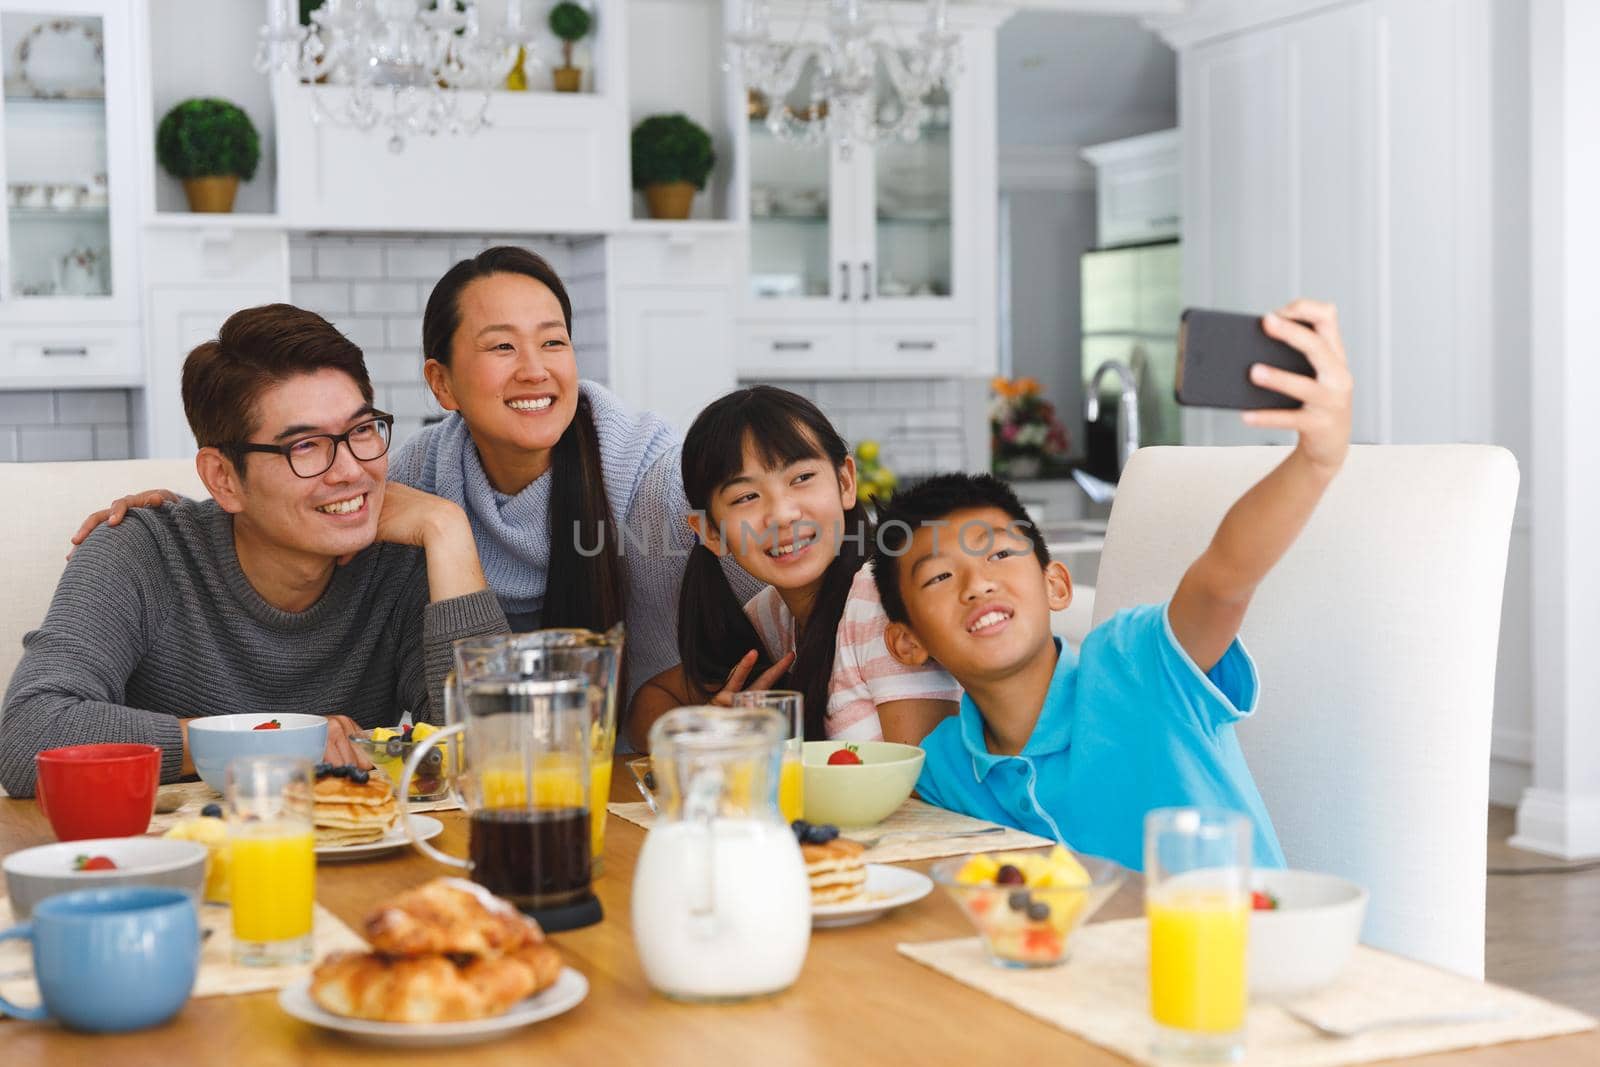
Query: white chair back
{"x": 1376, "y": 639}
{"x": 45, "y": 502}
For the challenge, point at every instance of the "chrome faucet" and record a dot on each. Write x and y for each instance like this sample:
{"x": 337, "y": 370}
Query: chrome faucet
{"x": 1129, "y": 414}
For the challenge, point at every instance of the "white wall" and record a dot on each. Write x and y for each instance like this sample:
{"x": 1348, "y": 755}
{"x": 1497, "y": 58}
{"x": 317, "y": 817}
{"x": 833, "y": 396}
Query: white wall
{"x": 1049, "y": 230}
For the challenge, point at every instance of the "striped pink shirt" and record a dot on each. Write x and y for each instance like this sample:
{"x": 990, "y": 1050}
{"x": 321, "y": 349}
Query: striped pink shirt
{"x": 864, "y": 674}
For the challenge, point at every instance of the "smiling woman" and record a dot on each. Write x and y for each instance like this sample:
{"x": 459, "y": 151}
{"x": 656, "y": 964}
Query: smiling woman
{"x": 551, "y": 470}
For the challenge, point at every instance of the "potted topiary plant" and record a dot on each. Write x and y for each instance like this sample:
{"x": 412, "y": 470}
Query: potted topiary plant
{"x": 571, "y": 23}
{"x": 210, "y": 144}
{"x": 672, "y": 157}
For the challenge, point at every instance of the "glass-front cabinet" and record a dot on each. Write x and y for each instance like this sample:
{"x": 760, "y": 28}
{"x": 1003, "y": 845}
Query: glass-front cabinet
{"x": 66, "y": 154}
{"x": 874, "y": 260}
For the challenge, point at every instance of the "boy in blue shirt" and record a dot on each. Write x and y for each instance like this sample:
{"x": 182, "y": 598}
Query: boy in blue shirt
{"x": 1079, "y": 748}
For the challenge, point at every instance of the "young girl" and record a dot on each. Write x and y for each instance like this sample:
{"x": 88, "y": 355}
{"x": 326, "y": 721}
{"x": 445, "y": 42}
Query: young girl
{"x": 771, "y": 483}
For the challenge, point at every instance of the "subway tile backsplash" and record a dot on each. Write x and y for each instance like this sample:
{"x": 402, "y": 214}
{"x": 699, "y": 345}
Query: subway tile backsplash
{"x": 374, "y": 289}
{"x": 66, "y": 424}
{"x": 922, "y": 426}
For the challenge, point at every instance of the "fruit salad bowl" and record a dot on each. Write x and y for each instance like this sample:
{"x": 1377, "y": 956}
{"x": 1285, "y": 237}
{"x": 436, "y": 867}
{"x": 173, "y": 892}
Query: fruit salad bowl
{"x": 1303, "y": 929}
{"x": 389, "y": 749}
{"x": 858, "y": 783}
{"x": 1026, "y": 905}
{"x": 32, "y": 874}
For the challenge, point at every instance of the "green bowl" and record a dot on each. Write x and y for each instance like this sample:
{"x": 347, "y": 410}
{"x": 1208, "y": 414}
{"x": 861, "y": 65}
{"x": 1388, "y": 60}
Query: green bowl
{"x": 850, "y": 795}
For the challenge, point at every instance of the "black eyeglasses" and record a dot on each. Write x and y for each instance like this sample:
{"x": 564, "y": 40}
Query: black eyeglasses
{"x": 313, "y": 455}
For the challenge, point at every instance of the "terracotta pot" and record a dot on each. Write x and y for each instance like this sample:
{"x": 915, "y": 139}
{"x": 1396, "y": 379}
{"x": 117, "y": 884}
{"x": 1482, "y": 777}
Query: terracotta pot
{"x": 669, "y": 200}
{"x": 214, "y": 194}
{"x": 568, "y": 79}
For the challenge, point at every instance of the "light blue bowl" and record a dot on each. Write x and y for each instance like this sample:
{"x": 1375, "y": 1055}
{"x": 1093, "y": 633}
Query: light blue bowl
{"x": 216, "y": 739}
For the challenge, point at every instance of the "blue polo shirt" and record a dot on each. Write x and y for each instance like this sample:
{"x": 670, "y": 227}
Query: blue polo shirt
{"x": 1129, "y": 724}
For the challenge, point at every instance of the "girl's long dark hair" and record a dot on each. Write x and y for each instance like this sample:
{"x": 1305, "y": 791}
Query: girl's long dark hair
{"x": 581, "y": 590}
{"x": 713, "y": 630}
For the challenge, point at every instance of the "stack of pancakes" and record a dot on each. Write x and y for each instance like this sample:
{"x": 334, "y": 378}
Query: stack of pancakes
{"x": 446, "y": 951}
{"x": 349, "y": 812}
{"x": 837, "y": 874}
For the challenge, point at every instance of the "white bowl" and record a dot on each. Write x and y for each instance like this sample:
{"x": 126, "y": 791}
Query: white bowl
{"x": 1305, "y": 942}
{"x": 36, "y": 873}
{"x": 216, "y": 739}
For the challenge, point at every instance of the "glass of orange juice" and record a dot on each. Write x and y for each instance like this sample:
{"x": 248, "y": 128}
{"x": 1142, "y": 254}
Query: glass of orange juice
{"x": 273, "y": 859}
{"x": 791, "y": 776}
{"x": 1197, "y": 900}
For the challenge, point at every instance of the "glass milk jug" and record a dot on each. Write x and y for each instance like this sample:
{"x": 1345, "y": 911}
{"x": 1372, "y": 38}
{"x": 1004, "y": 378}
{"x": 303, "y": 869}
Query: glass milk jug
{"x": 721, "y": 902}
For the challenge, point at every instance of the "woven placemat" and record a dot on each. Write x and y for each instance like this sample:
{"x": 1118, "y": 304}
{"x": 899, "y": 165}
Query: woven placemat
{"x": 219, "y": 976}
{"x": 928, "y": 831}
{"x": 1101, "y": 994}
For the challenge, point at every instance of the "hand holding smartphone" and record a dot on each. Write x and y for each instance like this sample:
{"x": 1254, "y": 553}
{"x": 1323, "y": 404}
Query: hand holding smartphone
{"x": 1215, "y": 352}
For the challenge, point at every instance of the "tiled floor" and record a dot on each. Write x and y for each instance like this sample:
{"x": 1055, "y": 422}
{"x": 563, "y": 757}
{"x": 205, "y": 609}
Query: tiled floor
{"x": 1543, "y": 930}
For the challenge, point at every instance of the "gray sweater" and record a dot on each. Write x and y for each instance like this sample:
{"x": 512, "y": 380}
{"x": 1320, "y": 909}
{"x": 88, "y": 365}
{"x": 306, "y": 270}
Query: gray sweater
{"x": 154, "y": 620}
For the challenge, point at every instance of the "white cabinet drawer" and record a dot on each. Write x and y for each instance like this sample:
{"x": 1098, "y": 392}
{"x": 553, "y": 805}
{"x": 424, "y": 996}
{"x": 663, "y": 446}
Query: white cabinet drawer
{"x": 795, "y": 349}
{"x": 916, "y": 348}
{"x": 55, "y": 358}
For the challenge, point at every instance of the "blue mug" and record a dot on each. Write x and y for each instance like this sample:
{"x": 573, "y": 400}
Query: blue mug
{"x": 111, "y": 960}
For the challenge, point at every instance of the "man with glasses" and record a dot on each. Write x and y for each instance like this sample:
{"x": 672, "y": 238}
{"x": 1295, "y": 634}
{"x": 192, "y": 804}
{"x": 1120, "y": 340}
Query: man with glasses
{"x": 306, "y": 584}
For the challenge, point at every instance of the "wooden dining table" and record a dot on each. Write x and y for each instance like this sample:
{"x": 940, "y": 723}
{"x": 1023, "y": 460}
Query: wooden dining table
{"x": 857, "y": 1000}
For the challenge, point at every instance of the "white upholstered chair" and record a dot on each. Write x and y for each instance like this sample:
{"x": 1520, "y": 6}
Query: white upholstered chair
{"x": 44, "y": 503}
{"x": 1376, "y": 639}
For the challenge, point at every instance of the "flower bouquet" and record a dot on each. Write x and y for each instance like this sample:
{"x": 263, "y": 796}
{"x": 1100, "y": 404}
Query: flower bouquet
{"x": 1025, "y": 433}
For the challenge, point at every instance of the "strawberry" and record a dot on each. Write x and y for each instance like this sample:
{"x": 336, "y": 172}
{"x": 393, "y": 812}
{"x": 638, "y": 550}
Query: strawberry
{"x": 1261, "y": 901}
{"x": 93, "y": 863}
{"x": 845, "y": 756}
{"x": 272, "y": 724}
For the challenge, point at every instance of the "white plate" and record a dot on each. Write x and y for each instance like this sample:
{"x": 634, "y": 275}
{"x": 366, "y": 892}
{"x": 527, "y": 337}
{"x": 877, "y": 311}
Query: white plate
{"x": 887, "y": 888}
{"x": 568, "y": 992}
{"x": 63, "y": 57}
{"x": 427, "y": 830}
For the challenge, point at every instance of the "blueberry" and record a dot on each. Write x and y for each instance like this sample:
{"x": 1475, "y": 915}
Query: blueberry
{"x": 212, "y": 811}
{"x": 395, "y": 747}
{"x": 341, "y": 771}
{"x": 801, "y": 829}
{"x": 821, "y": 835}
{"x": 323, "y": 769}
{"x": 359, "y": 777}
{"x": 1019, "y": 900}
{"x": 1009, "y": 875}
{"x": 1038, "y": 911}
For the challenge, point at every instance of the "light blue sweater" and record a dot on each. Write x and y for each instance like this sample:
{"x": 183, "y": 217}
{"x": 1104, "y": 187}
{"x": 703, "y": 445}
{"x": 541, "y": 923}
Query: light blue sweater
{"x": 639, "y": 457}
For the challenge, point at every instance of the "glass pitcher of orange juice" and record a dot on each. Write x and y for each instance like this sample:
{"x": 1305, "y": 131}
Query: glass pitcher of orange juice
{"x": 791, "y": 774}
{"x": 1197, "y": 900}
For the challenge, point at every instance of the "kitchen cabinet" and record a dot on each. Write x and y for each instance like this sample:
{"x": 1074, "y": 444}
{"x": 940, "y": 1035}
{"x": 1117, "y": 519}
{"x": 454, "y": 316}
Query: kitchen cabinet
{"x": 879, "y": 260}
{"x": 68, "y": 284}
{"x": 671, "y": 306}
{"x": 1138, "y": 188}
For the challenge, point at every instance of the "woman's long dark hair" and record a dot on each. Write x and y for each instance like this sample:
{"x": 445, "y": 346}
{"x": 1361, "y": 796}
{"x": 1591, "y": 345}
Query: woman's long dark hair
{"x": 580, "y": 590}
{"x": 713, "y": 630}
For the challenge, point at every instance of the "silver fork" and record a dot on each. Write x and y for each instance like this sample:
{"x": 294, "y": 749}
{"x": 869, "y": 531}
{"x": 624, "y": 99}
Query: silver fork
{"x": 872, "y": 842}
{"x": 1476, "y": 1015}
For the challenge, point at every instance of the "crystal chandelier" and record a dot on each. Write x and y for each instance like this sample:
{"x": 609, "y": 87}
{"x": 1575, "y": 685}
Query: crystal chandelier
{"x": 849, "y": 105}
{"x": 411, "y": 66}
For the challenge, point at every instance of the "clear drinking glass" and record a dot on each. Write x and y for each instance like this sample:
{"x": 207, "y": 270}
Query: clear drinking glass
{"x": 273, "y": 858}
{"x": 1197, "y": 899}
{"x": 791, "y": 777}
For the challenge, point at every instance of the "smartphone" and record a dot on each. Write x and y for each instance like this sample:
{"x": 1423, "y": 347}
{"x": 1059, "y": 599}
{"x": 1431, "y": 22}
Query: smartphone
{"x": 1215, "y": 352}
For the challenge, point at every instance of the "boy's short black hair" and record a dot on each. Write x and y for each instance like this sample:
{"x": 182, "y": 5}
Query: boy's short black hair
{"x": 937, "y": 498}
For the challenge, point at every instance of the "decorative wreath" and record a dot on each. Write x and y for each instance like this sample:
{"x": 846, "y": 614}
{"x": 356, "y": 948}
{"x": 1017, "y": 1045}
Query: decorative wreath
{"x": 61, "y": 26}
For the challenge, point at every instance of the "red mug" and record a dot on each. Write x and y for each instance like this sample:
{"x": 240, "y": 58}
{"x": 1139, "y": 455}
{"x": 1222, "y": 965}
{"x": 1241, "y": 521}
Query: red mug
{"x": 98, "y": 790}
